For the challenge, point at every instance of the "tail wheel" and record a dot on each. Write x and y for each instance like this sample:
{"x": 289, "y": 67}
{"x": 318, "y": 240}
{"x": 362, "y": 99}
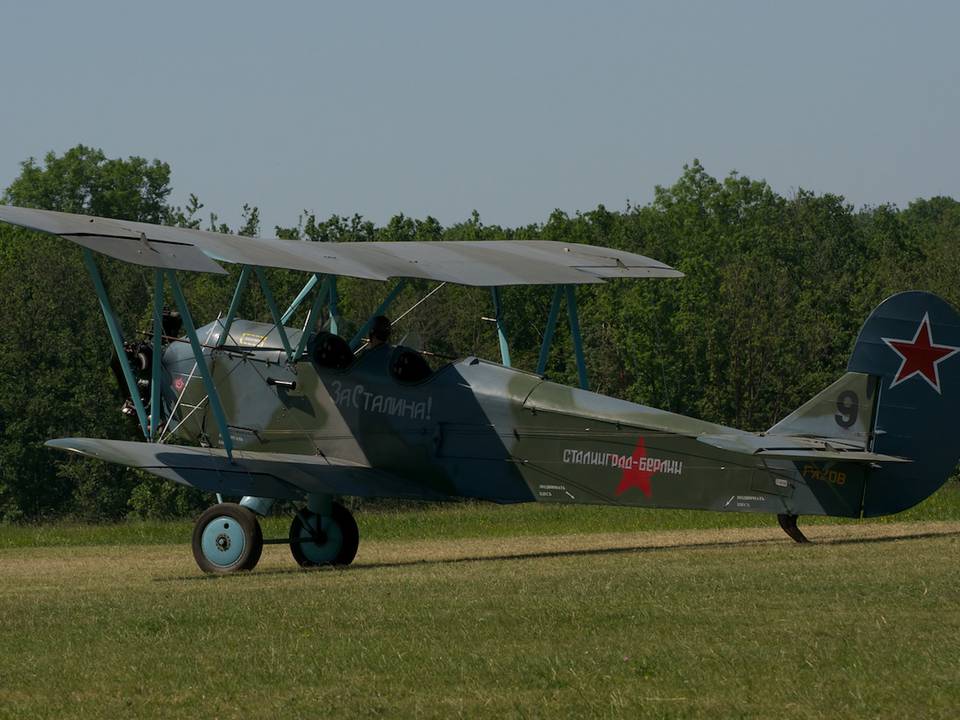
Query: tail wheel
{"x": 324, "y": 540}
{"x": 227, "y": 538}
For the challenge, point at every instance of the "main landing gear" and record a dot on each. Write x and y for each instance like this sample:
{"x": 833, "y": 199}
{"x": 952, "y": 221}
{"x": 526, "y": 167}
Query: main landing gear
{"x": 227, "y": 537}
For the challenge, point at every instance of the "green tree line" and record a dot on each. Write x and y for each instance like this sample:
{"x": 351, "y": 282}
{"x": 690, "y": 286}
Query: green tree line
{"x": 776, "y": 289}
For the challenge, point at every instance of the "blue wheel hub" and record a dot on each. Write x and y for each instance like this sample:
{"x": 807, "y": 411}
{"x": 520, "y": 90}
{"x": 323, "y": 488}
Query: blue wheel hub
{"x": 223, "y": 541}
{"x": 325, "y": 551}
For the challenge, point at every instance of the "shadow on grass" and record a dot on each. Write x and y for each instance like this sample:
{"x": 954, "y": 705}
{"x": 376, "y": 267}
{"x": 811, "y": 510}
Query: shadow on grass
{"x": 887, "y": 538}
{"x": 546, "y": 554}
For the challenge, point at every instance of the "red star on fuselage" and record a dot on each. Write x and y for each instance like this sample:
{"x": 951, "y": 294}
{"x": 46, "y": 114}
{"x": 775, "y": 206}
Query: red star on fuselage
{"x": 920, "y": 356}
{"x": 634, "y": 476}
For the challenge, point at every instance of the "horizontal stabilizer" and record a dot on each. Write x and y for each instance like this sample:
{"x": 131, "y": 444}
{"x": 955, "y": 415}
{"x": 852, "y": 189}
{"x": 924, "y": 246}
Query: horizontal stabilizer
{"x": 797, "y": 448}
{"x": 275, "y": 475}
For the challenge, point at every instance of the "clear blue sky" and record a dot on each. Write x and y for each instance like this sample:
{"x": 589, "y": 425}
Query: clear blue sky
{"x": 512, "y": 108}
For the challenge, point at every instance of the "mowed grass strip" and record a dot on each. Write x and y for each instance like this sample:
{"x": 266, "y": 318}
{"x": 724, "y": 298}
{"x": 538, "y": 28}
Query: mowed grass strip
{"x": 464, "y": 520}
{"x": 696, "y": 623}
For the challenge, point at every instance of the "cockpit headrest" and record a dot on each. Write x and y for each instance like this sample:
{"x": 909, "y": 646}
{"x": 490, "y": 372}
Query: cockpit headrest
{"x": 331, "y": 351}
{"x": 407, "y": 365}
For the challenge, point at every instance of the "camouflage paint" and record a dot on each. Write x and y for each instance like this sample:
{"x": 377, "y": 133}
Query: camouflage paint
{"x": 481, "y": 430}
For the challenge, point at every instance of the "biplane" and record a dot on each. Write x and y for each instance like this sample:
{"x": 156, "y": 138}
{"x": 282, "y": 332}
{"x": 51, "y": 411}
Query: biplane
{"x": 268, "y": 411}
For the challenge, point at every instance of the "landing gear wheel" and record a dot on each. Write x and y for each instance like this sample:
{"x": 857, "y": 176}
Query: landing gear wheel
{"x": 227, "y": 538}
{"x": 317, "y": 540}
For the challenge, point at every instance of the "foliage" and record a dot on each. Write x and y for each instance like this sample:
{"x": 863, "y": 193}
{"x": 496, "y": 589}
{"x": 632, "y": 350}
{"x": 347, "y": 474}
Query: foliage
{"x": 84, "y": 180}
{"x": 776, "y": 288}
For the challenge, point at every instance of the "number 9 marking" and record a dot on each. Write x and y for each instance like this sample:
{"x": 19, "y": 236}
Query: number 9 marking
{"x": 848, "y": 407}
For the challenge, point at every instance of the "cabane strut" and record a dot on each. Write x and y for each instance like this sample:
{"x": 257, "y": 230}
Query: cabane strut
{"x": 573, "y": 318}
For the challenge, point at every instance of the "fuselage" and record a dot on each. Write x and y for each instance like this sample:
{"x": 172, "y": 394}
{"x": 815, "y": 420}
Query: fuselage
{"x": 477, "y": 429}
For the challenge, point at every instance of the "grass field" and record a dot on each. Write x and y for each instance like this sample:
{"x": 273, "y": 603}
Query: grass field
{"x": 494, "y": 622}
{"x": 465, "y": 520}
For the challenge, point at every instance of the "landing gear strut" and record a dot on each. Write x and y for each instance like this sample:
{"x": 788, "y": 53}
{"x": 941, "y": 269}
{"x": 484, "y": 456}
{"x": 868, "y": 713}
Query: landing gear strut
{"x": 227, "y": 538}
{"x": 789, "y": 525}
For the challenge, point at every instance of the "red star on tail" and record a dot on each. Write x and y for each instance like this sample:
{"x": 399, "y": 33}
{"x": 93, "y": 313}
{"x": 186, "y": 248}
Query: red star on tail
{"x": 633, "y": 476}
{"x": 920, "y": 356}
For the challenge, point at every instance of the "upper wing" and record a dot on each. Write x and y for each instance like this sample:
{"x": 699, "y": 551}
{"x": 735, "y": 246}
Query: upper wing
{"x": 273, "y": 475}
{"x": 480, "y": 263}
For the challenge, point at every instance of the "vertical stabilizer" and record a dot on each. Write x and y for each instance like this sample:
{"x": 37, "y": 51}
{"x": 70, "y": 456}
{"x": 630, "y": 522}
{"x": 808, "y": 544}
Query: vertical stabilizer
{"x": 911, "y": 344}
{"x": 844, "y": 411}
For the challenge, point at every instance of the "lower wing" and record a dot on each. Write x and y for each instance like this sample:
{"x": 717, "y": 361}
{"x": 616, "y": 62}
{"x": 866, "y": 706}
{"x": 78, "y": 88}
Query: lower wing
{"x": 273, "y": 475}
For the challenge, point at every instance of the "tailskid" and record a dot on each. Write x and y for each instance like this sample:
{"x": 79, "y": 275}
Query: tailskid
{"x": 789, "y": 525}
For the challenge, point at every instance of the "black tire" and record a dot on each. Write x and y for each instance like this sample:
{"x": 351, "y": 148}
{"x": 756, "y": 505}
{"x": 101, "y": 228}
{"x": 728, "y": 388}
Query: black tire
{"x": 340, "y": 539}
{"x": 218, "y": 552}
{"x": 257, "y": 550}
